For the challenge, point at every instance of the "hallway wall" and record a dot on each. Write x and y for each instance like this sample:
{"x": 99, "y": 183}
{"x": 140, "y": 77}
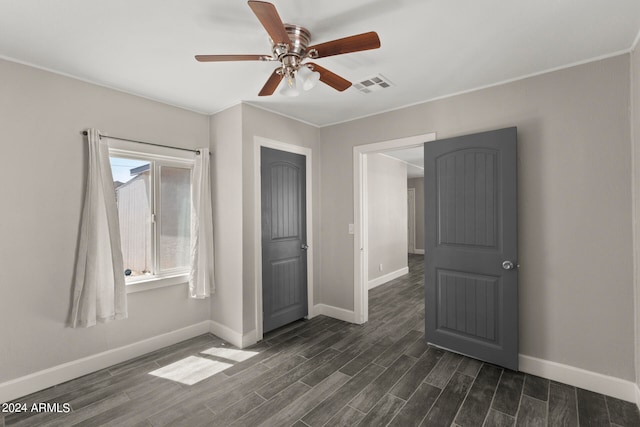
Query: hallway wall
{"x": 418, "y": 185}
{"x": 387, "y": 214}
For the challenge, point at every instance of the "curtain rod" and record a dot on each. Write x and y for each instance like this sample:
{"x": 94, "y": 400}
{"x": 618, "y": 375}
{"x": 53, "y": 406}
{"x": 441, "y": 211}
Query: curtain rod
{"x": 85, "y": 133}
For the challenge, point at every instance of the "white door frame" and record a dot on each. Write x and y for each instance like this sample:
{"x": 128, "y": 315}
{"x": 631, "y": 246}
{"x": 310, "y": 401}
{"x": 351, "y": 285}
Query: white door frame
{"x": 360, "y": 217}
{"x": 290, "y": 148}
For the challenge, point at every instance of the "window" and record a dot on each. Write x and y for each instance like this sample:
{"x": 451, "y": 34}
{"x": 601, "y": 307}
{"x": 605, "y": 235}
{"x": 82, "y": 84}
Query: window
{"x": 153, "y": 194}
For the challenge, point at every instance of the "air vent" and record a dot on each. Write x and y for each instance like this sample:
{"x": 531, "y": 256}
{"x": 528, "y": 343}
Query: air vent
{"x": 373, "y": 84}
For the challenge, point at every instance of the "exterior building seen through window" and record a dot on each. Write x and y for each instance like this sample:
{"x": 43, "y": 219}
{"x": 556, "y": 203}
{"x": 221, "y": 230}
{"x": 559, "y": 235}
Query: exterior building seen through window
{"x": 154, "y": 211}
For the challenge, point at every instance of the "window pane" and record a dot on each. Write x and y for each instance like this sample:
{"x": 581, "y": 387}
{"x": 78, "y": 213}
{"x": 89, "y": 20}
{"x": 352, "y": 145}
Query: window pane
{"x": 175, "y": 217}
{"x": 131, "y": 179}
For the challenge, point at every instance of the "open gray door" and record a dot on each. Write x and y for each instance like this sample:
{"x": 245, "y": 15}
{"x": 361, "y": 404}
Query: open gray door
{"x": 471, "y": 252}
{"x": 284, "y": 238}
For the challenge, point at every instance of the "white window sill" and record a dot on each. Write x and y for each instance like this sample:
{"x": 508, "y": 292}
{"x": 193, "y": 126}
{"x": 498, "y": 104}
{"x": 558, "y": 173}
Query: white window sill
{"x": 156, "y": 283}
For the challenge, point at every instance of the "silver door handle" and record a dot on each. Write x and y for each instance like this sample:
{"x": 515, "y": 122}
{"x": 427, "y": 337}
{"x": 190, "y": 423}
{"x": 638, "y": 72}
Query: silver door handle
{"x": 304, "y": 247}
{"x": 508, "y": 265}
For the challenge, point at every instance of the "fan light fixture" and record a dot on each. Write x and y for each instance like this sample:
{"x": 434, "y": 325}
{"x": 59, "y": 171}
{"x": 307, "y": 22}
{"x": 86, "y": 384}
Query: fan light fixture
{"x": 289, "y": 87}
{"x": 295, "y": 81}
{"x": 307, "y": 77}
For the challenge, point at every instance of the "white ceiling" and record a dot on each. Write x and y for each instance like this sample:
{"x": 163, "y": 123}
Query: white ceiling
{"x": 430, "y": 48}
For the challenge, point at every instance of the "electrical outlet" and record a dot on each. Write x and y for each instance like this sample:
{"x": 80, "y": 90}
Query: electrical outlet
{"x": 351, "y": 229}
{"x": 380, "y": 267}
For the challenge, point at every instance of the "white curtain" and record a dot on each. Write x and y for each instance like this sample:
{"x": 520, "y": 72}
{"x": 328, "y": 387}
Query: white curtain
{"x": 99, "y": 290}
{"x": 201, "y": 283}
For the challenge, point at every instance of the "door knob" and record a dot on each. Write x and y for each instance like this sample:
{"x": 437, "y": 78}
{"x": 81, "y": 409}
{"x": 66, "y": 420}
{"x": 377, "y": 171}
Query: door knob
{"x": 304, "y": 247}
{"x": 508, "y": 265}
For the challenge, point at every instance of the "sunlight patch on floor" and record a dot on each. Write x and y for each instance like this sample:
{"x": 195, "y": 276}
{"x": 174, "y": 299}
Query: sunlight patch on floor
{"x": 190, "y": 370}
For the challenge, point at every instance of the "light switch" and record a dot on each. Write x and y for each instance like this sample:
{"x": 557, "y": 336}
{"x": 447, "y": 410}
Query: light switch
{"x": 351, "y": 229}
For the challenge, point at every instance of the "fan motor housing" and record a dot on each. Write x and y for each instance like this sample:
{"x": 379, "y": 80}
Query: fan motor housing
{"x": 300, "y": 38}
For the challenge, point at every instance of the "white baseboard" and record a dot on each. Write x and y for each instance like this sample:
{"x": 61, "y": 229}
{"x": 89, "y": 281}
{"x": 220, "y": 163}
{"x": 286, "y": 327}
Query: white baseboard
{"x": 40, "y": 380}
{"x": 335, "y": 312}
{"x": 419, "y": 251}
{"x": 229, "y": 335}
{"x": 249, "y": 339}
{"x": 637, "y": 396}
{"x": 577, "y": 377}
{"x": 388, "y": 277}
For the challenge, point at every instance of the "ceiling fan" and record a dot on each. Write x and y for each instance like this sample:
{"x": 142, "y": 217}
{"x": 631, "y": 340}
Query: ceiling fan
{"x": 290, "y": 47}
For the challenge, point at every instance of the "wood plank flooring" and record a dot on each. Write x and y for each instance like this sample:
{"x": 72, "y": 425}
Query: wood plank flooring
{"x": 324, "y": 372}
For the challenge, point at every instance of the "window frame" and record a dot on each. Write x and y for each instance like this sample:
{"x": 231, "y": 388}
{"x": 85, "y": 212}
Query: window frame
{"x": 157, "y": 157}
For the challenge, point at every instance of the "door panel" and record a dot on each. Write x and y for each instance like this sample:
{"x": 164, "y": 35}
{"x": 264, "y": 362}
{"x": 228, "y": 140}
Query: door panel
{"x": 471, "y": 301}
{"x": 466, "y": 184}
{"x": 284, "y": 258}
{"x": 467, "y": 304}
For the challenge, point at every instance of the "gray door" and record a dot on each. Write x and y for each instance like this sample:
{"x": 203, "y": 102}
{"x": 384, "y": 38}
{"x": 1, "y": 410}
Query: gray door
{"x": 284, "y": 238}
{"x": 471, "y": 277}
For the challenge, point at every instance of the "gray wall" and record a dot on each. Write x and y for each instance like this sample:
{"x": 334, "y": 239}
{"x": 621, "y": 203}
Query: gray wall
{"x": 576, "y": 276}
{"x": 42, "y": 171}
{"x": 258, "y": 122}
{"x": 575, "y": 223}
{"x": 233, "y": 133}
{"x": 418, "y": 184}
{"x": 226, "y": 169}
{"x": 387, "y": 214}
{"x": 635, "y": 131}
{"x": 44, "y": 156}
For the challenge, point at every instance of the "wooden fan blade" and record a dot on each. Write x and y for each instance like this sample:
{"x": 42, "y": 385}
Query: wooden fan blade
{"x": 364, "y": 41}
{"x": 270, "y": 20}
{"x": 217, "y": 58}
{"x": 272, "y": 84}
{"x": 330, "y": 78}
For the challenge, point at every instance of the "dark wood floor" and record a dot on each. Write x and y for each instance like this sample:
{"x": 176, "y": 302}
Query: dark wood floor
{"x": 324, "y": 372}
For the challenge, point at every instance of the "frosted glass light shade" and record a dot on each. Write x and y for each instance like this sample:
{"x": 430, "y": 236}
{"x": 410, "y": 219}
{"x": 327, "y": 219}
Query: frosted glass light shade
{"x": 307, "y": 77}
